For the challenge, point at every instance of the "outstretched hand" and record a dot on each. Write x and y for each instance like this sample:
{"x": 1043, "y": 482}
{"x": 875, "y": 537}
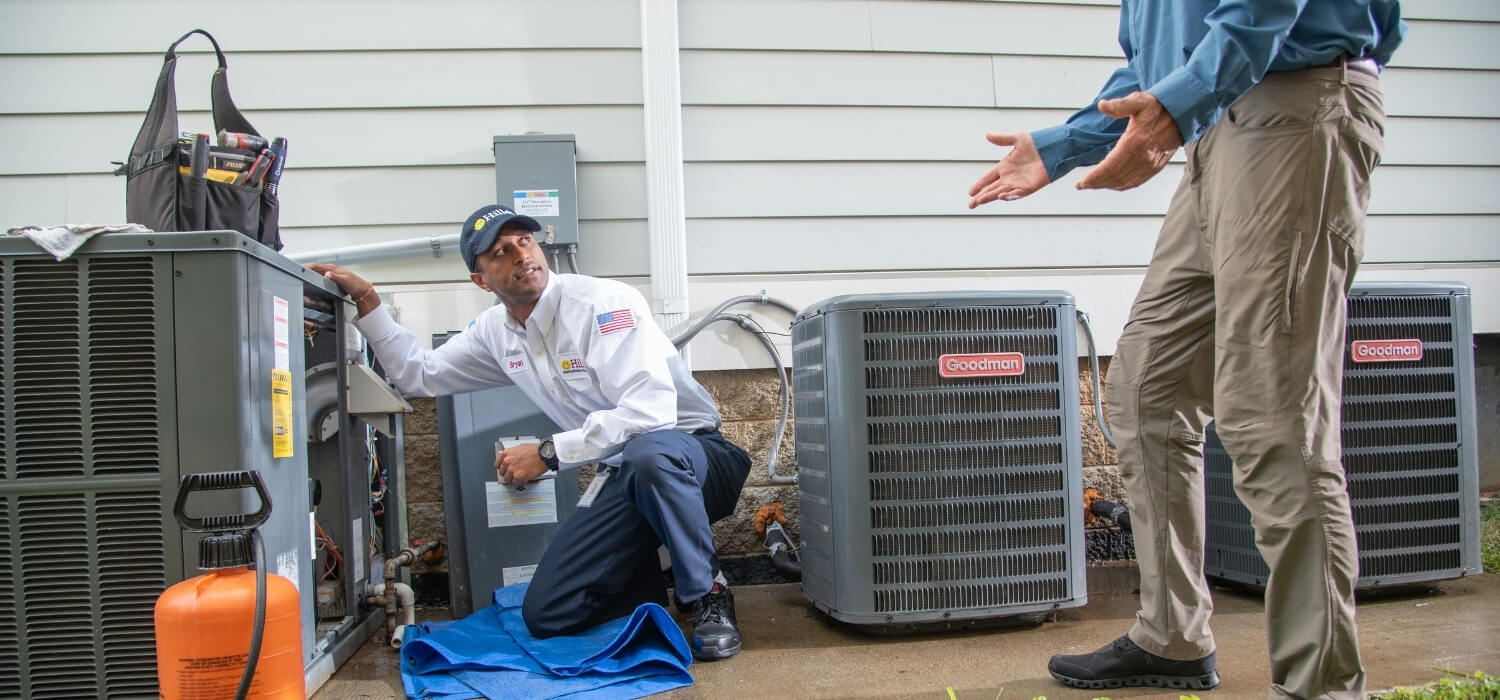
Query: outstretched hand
{"x": 1148, "y": 143}
{"x": 1018, "y": 174}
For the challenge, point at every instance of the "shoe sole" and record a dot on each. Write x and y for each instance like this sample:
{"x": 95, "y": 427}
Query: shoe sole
{"x": 1207, "y": 682}
{"x": 715, "y": 653}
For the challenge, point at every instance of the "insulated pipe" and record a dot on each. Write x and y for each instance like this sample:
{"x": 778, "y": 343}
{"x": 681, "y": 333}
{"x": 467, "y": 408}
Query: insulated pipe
{"x": 407, "y": 247}
{"x": 407, "y": 557}
{"x": 1088, "y": 333}
{"x": 785, "y": 393}
{"x": 682, "y": 338}
{"x": 407, "y": 601}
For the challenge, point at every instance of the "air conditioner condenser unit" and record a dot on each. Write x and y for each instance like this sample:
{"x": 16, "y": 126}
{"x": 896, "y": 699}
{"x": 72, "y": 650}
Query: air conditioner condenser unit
{"x": 939, "y": 462}
{"x": 1410, "y": 444}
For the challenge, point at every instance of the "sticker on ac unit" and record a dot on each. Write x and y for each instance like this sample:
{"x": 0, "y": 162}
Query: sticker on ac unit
{"x": 982, "y": 364}
{"x": 1404, "y": 350}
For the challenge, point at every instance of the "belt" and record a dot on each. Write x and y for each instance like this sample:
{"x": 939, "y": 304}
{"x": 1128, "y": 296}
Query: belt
{"x": 1366, "y": 65}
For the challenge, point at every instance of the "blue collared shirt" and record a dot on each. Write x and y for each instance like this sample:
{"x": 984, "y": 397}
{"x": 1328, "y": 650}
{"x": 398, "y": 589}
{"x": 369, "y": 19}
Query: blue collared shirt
{"x": 1199, "y": 56}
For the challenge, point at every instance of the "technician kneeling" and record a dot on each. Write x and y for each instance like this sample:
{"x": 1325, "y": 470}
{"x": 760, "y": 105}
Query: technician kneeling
{"x": 588, "y": 353}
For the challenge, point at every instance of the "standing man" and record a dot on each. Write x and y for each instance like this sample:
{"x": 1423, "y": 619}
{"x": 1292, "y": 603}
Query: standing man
{"x": 588, "y": 353}
{"x": 1241, "y": 315}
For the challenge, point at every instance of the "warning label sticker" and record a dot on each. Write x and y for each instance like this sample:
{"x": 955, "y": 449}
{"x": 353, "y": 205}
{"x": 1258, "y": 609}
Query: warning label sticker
{"x": 281, "y": 413}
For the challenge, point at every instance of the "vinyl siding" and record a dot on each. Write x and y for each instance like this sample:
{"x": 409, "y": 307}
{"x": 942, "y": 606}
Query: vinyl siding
{"x": 824, "y": 140}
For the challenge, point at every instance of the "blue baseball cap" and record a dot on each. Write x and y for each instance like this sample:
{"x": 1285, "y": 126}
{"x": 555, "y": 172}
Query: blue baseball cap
{"x": 482, "y": 228}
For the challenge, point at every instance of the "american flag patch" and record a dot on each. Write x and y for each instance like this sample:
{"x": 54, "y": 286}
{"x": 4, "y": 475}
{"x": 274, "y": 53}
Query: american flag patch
{"x": 617, "y": 320}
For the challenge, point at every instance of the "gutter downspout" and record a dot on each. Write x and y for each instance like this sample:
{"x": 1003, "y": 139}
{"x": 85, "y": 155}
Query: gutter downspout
{"x": 666, "y": 217}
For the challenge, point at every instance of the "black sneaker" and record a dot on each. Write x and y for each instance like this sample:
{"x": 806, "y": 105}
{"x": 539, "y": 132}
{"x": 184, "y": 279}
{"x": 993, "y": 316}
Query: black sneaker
{"x": 715, "y": 634}
{"x": 1122, "y": 663}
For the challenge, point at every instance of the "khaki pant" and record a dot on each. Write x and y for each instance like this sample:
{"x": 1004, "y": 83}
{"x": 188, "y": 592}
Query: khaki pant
{"x": 1241, "y": 318}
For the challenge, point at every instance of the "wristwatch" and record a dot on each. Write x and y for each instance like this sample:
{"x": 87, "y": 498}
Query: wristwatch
{"x": 548, "y": 452}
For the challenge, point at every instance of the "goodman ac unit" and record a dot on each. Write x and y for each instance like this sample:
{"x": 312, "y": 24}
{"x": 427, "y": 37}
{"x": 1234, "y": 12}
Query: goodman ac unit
{"x": 939, "y": 463}
{"x": 1409, "y": 440}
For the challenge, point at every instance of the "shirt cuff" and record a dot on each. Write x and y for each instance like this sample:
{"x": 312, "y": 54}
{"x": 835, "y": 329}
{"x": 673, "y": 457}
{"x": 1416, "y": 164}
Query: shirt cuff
{"x": 1190, "y": 103}
{"x": 1052, "y": 145}
{"x": 376, "y": 325}
{"x": 571, "y": 448}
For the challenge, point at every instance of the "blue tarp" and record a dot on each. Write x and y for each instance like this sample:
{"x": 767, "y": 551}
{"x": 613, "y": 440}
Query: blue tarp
{"x": 490, "y": 654}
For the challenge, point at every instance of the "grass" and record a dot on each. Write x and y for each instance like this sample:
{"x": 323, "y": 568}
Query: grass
{"x": 1489, "y": 535}
{"x": 1476, "y": 687}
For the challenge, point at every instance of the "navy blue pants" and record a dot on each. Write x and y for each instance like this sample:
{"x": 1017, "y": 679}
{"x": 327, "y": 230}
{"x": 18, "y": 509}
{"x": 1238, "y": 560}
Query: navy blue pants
{"x": 602, "y": 564}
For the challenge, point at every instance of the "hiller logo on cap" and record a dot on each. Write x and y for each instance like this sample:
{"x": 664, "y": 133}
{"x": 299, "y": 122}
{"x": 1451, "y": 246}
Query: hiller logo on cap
{"x": 1405, "y": 350}
{"x": 982, "y": 364}
{"x": 490, "y": 215}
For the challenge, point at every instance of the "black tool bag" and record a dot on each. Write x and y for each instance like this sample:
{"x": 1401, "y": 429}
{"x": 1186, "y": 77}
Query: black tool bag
{"x": 161, "y": 193}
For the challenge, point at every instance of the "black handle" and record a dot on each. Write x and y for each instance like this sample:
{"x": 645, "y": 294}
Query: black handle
{"x": 219, "y": 481}
{"x": 172, "y": 50}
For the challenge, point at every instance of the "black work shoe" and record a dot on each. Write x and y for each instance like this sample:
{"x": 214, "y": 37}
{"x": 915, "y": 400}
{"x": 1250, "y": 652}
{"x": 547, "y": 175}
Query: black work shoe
{"x": 1122, "y": 663}
{"x": 715, "y": 634}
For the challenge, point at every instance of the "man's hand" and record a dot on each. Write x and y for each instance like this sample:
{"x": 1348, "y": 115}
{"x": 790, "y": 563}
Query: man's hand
{"x": 1018, "y": 174}
{"x": 362, "y": 292}
{"x": 519, "y": 464}
{"x": 1149, "y": 141}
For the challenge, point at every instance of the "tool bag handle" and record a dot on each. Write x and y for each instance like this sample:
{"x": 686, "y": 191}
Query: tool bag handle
{"x": 158, "y": 134}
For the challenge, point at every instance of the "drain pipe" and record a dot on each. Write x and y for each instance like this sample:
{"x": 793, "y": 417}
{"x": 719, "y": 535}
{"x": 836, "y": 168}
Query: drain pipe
{"x": 390, "y": 592}
{"x": 406, "y": 601}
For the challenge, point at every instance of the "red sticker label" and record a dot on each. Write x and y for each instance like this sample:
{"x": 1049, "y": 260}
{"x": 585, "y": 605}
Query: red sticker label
{"x": 982, "y": 364}
{"x": 1406, "y": 350}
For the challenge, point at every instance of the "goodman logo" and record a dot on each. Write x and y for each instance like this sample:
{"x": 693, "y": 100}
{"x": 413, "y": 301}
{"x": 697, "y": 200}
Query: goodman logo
{"x": 1406, "y": 350}
{"x": 982, "y": 364}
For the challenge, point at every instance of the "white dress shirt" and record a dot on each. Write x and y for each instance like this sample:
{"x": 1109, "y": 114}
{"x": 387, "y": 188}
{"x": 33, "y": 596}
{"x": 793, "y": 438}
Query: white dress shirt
{"x": 590, "y": 356}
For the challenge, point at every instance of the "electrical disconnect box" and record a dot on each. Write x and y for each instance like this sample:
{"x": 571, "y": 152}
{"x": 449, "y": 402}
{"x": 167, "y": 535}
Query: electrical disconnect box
{"x": 536, "y": 174}
{"x": 141, "y": 359}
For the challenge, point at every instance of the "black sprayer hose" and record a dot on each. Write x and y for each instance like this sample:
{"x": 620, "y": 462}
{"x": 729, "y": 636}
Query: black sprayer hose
{"x": 259, "y": 626}
{"x": 1113, "y": 511}
{"x": 783, "y": 558}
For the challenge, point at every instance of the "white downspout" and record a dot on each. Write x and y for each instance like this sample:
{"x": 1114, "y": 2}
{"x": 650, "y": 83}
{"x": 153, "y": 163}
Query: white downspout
{"x": 666, "y": 217}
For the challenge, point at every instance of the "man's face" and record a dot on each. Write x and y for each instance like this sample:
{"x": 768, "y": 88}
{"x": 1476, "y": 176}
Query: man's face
{"x": 514, "y": 268}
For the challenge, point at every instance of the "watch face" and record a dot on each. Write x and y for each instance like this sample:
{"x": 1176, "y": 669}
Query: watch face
{"x": 546, "y": 450}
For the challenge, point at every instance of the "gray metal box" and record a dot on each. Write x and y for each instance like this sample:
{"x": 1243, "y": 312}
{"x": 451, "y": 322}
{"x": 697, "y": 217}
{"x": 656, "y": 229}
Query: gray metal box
{"x": 928, "y": 498}
{"x": 479, "y": 556}
{"x": 1410, "y": 447}
{"x": 536, "y": 174}
{"x": 142, "y": 358}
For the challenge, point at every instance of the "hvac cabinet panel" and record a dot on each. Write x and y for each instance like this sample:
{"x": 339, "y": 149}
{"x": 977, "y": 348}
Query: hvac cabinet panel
{"x": 927, "y": 498}
{"x": 479, "y": 556}
{"x": 142, "y": 358}
{"x": 1410, "y": 447}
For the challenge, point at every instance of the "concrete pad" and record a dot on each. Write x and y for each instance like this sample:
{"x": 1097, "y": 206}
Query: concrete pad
{"x": 791, "y": 650}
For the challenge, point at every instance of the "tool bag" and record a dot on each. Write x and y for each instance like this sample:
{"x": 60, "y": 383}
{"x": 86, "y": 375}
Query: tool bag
{"x": 161, "y": 191}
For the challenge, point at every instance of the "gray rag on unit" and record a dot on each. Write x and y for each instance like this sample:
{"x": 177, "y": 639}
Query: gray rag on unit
{"x": 62, "y": 241}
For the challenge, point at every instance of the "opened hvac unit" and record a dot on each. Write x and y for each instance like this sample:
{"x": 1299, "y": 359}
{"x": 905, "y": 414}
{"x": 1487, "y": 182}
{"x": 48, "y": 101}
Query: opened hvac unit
{"x": 137, "y": 361}
{"x": 1409, "y": 439}
{"x": 939, "y": 463}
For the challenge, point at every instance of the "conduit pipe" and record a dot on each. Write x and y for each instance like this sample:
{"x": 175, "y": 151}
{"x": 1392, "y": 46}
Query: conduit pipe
{"x": 406, "y": 247}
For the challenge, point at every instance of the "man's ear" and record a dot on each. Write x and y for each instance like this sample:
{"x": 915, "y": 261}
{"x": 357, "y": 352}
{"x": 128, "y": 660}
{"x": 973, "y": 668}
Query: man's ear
{"x": 478, "y": 280}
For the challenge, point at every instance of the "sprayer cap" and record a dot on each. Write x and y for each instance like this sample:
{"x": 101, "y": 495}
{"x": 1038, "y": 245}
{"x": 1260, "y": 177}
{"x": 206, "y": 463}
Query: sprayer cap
{"x": 224, "y": 551}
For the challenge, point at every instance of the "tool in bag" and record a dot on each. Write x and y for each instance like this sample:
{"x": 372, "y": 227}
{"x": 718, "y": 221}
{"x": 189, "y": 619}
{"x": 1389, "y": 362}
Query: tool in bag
{"x": 180, "y": 181}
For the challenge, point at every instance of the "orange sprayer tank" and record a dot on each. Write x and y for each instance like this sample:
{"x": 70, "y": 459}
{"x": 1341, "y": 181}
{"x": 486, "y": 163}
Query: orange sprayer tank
{"x": 204, "y": 625}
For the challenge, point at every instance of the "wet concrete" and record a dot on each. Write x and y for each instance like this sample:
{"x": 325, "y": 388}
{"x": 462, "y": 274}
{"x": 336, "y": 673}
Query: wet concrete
{"x": 791, "y": 650}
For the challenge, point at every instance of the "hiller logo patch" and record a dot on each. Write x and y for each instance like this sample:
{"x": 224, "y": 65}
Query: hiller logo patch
{"x": 1406, "y": 350}
{"x": 982, "y": 364}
